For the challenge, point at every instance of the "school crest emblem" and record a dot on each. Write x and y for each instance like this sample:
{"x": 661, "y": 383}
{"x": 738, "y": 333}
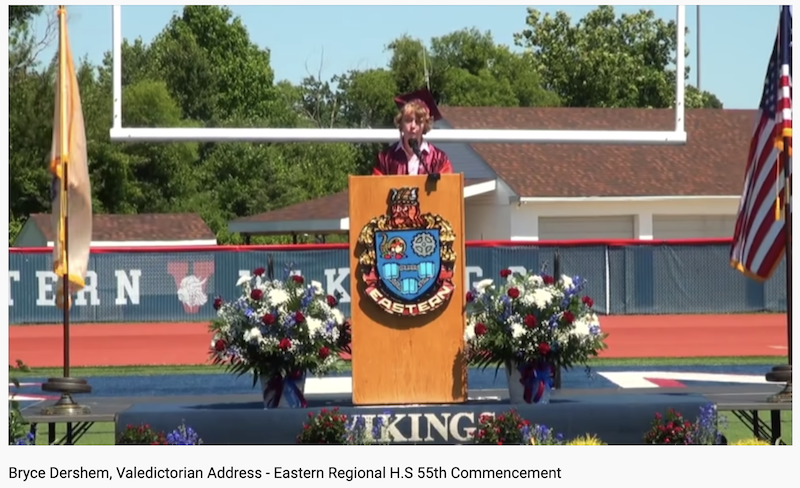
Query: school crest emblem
{"x": 407, "y": 257}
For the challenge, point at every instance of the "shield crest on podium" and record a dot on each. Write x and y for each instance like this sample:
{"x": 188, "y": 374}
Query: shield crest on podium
{"x": 407, "y": 257}
{"x": 408, "y": 262}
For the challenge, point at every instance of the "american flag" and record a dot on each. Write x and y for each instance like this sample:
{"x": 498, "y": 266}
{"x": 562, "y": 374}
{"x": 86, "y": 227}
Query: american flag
{"x": 760, "y": 236}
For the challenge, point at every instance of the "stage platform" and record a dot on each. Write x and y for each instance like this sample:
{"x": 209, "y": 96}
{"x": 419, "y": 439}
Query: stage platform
{"x": 616, "y": 416}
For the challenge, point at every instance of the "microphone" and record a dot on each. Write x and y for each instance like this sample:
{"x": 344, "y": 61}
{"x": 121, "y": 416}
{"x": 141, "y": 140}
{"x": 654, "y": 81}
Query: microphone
{"x": 414, "y": 145}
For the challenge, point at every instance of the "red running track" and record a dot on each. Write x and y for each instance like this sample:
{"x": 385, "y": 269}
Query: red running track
{"x": 187, "y": 343}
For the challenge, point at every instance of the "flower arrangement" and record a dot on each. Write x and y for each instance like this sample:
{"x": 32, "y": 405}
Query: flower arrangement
{"x": 26, "y": 440}
{"x": 509, "y": 428}
{"x": 750, "y": 442}
{"x": 141, "y": 435}
{"x": 674, "y": 429}
{"x": 586, "y": 440}
{"x": 332, "y": 427}
{"x": 144, "y": 435}
{"x": 278, "y": 330}
{"x": 18, "y": 434}
{"x": 184, "y": 436}
{"x": 533, "y": 325}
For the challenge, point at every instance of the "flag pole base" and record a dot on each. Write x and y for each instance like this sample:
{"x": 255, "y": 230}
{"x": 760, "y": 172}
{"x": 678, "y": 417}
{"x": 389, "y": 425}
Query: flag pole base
{"x": 781, "y": 374}
{"x": 66, "y": 405}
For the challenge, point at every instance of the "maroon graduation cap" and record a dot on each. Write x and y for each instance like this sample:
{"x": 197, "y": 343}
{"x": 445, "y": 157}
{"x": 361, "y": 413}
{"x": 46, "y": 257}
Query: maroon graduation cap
{"x": 423, "y": 96}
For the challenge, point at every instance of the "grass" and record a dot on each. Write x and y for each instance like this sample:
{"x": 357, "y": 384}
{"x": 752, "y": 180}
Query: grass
{"x": 102, "y": 434}
{"x": 345, "y": 366}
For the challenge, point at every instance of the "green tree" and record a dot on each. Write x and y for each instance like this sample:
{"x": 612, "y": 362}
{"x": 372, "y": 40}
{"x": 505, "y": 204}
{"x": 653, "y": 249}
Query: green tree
{"x": 605, "y": 60}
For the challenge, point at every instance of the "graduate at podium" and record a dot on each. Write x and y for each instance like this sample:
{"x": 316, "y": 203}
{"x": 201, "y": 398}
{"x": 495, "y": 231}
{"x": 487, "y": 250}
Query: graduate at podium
{"x": 411, "y": 155}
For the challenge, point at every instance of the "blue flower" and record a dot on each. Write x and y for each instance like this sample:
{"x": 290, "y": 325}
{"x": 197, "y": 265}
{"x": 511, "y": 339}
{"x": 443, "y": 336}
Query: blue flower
{"x": 183, "y": 436}
{"x": 28, "y": 440}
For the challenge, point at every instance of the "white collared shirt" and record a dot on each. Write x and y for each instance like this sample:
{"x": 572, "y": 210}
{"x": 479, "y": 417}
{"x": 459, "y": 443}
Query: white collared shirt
{"x": 413, "y": 161}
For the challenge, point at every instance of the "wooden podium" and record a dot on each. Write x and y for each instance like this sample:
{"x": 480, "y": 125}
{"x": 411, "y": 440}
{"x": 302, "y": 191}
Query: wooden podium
{"x": 407, "y": 289}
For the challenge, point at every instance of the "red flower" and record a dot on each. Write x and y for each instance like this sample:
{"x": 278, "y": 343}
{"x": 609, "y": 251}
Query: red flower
{"x": 480, "y": 329}
{"x": 285, "y": 344}
{"x": 588, "y": 301}
{"x": 297, "y": 279}
{"x": 505, "y": 273}
{"x": 548, "y": 280}
{"x": 258, "y": 271}
{"x": 219, "y": 345}
{"x": 544, "y": 348}
{"x": 568, "y": 317}
{"x": 323, "y": 352}
{"x": 299, "y": 317}
{"x": 256, "y": 294}
{"x": 331, "y": 300}
{"x": 513, "y": 293}
{"x": 530, "y": 321}
{"x": 268, "y": 319}
{"x": 217, "y": 303}
{"x": 470, "y": 297}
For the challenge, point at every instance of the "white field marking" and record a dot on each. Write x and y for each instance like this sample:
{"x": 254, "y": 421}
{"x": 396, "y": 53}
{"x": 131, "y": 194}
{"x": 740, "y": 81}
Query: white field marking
{"x": 342, "y": 384}
{"x": 638, "y": 379}
{"x": 778, "y": 347}
{"x": 628, "y": 380}
{"x": 11, "y": 385}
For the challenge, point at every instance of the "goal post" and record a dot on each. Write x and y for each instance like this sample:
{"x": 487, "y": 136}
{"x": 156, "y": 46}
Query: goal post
{"x": 119, "y": 133}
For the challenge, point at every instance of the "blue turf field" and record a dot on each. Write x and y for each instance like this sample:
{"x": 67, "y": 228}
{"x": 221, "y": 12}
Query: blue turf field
{"x": 222, "y": 384}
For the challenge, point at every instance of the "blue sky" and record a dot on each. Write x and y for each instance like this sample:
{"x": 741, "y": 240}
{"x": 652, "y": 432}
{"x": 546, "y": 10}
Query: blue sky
{"x": 735, "y": 41}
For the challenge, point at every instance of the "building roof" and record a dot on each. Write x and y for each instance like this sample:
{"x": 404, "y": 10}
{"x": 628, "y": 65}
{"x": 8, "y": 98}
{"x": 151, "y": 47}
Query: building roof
{"x": 711, "y": 163}
{"x": 324, "y": 215}
{"x": 181, "y": 227}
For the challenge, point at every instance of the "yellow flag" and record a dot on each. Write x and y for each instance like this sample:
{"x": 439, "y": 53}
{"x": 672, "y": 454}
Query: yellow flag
{"x": 68, "y": 153}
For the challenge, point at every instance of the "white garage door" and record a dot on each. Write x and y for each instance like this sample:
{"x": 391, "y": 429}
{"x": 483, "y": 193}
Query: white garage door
{"x": 693, "y": 226}
{"x": 573, "y": 228}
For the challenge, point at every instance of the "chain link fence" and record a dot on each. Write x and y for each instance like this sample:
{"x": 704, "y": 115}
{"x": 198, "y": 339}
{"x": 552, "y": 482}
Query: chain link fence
{"x": 180, "y": 285}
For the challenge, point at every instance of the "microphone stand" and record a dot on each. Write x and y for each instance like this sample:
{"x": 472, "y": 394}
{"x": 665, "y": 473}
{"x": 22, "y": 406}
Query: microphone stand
{"x": 432, "y": 177}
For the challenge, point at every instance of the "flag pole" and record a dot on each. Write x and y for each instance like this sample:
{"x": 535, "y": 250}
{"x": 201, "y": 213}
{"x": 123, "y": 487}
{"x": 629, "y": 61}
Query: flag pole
{"x": 64, "y": 385}
{"x": 63, "y": 160}
{"x": 783, "y": 374}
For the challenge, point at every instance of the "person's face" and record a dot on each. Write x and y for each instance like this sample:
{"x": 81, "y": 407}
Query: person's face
{"x": 411, "y": 127}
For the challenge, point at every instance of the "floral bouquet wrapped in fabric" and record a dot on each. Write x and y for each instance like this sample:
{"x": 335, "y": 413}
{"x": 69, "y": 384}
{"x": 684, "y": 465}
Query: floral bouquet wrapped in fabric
{"x": 278, "y": 331}
{"x": 532, "y": 325}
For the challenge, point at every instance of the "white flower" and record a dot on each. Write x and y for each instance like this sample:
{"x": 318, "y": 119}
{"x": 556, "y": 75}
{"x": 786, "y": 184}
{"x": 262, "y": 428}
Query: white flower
{"x": 517, "y": 330}
{"x": 252, "y": 334}
{"x": 277, "y": 297}
{"x": 338, "y": 316}
{"x": 317, "y": 287}
{"x": 469, "y": 332}
{"x": 315, "y": 325}
{"x": 580, "y": 327}
{"x": 243, "y": 279}
{"x": 483, "y": 285}
{"x": 542, "y": 297}
{"x": 535, "y": 280}
{"x": 567, "y": 281}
